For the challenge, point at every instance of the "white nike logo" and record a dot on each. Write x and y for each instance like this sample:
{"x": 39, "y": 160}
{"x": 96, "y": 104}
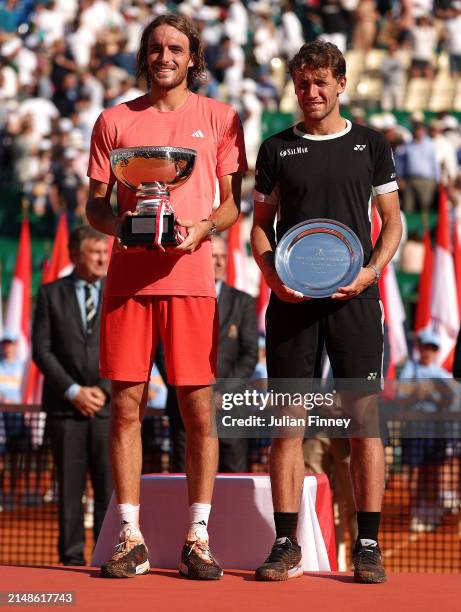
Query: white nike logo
{"x": 198, "y": 134}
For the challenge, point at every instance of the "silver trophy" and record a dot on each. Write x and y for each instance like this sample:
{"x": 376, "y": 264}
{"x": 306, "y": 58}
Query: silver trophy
{"x": 152, "y": 172}
{"x": 317, "y": 257}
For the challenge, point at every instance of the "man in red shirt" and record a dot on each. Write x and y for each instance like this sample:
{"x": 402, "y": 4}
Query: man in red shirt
{"x": 171, "y": 294}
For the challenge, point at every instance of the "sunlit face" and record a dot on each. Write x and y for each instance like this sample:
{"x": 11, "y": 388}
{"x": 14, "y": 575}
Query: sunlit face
{"x": 317, "y": 92}
{"x": 91, "y": 261}
{"x": 168, "y": 57}
{"x": 219, "y": 253}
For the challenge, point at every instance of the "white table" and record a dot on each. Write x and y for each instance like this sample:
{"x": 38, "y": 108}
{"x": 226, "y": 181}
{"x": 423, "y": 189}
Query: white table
{"x": 241, "y": 524}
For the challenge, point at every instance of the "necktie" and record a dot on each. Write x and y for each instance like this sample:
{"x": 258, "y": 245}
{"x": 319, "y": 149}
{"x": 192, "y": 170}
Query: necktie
{"x": 90, "y": 309}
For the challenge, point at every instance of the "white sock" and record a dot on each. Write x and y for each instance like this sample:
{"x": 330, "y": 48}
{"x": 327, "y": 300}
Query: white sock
{"x": 129, "y": 514}
{"x": 199, "y": 515}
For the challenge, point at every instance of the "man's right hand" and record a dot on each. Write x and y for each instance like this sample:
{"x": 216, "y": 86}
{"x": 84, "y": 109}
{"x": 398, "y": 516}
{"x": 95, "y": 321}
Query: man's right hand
{"x": 89, "y": 401}
{"x": 118, "y": 231}
{"x": 283, "y": 292}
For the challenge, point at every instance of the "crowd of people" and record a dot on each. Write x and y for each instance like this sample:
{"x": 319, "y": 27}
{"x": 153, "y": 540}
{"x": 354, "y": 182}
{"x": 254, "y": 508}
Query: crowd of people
{"x": 63, "y": 62}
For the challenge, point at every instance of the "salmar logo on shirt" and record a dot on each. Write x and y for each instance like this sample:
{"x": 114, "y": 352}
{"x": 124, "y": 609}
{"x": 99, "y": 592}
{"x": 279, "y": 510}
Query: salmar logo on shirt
{"x": 295, "y": 151}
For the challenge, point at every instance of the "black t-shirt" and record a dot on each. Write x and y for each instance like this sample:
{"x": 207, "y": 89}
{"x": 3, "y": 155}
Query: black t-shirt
{"x": 330, "y": 177}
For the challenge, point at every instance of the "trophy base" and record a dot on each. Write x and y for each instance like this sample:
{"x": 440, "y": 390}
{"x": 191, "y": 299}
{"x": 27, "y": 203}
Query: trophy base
{"x": 139, "y": 231}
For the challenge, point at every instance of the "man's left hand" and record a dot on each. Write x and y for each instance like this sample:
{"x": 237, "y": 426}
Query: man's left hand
{"x": 366, "y": 277}
{"x": 197, "y": 232}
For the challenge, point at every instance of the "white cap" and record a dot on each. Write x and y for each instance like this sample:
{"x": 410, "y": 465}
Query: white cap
{"x": 449, "y": 122}
{"x": 429, "y": 336}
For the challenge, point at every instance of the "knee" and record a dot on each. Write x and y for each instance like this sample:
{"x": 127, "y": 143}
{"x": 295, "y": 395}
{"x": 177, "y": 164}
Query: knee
{"x": 199, "y": 426}
{"x": 124, "y": 416}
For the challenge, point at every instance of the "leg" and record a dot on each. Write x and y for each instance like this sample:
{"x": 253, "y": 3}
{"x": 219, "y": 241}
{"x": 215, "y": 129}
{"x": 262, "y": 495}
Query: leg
{"x": 68, "y": 443}
{"x": 292, "y": 338}
{"x": 367, "y": 473}
{"x": 100, "y": 470}
{"x": 127, "y": 411}
{"x": 286, "y": 466}
{"x": 201, "y": 445}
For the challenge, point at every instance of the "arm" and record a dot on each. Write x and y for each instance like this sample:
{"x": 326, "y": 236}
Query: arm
{"x": 98, "y": 209}
{"x": 263, "y": 247}
{"x": 42, "y": 353}
{"x": 224, "y": 216}
{"x": 87, "y": 401}
{"x": 389, "y": 238}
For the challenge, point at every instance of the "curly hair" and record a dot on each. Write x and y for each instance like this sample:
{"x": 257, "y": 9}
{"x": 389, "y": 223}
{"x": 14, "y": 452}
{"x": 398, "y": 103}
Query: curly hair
{"x": 197, "y": 72}
{"x": 317, "y": 55}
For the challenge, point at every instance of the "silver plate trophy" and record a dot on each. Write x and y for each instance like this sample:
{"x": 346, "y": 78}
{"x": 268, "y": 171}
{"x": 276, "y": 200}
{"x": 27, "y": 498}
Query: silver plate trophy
{"x": 152, "y": 172}
{"x": 317, "y": 257}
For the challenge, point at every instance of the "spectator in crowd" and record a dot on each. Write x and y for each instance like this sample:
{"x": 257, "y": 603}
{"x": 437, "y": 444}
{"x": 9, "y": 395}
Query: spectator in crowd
{"x": 421, "y": 171}
{"x": 425, "y": 39}
{"x": 393, "y": 75}
{"x": 445, "y": 152}
{"x": 68, "y": 192}
{"x": 335, "y": 23}
{"x": 251, "y": 115}
{"x": 291, "y": 31}
{"x": 365, "y": 28}
{"x": 15, "y": 433}
{"x": 75, "y": 398}
{"x": 451, "y": 15}
{"x": 425, "y": 449}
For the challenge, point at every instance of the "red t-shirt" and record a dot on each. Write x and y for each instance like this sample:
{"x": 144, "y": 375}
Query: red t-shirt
{"x": 214, "y": 130}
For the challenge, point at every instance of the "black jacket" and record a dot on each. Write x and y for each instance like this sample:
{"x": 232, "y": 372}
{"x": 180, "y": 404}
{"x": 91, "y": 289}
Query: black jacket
{"x": 238, "y": 334}
{"x": 62, "y": 350}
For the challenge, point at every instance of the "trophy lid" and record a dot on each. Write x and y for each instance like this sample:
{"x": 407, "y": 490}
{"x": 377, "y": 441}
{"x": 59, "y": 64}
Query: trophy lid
{"x": 137, "y": 166}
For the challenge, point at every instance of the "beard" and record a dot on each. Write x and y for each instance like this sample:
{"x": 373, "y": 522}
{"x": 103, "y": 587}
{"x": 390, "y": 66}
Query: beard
{"x": 167, "y": 82}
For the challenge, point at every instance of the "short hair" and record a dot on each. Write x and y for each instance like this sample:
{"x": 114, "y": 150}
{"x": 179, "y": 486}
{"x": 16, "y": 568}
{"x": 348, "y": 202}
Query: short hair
{"x": 317, "y": 55}
{"x": 198, "y": 71}
{"x": 81, "y": 233}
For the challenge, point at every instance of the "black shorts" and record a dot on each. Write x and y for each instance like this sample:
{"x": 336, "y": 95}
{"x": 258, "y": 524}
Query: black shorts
{"x": 352, "y": 332}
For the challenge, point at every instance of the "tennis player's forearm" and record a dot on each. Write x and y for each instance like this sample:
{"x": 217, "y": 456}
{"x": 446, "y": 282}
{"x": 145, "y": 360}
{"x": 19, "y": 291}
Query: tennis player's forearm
{"x": 387, "y": 243}
{"x": 226, "y": 214}
{"x": 101, "y": 216}
{"x": 263, "y": 249}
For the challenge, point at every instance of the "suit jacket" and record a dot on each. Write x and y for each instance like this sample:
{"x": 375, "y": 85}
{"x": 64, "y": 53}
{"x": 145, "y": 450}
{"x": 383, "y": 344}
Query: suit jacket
{"x": 238, "y": 333}
{"x": 62, "y": 350}
{"x": 457, "y": 359}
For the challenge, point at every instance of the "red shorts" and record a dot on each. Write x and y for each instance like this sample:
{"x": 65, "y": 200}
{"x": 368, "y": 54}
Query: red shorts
{"x": 131, "y": 327}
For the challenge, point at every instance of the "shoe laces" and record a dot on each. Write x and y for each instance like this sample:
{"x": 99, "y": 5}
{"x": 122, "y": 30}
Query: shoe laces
{"x": 279, "y": 550}
{"x": 371, "y": 556}
{"x": 131, "y": 538}
{"x": 202, "y": 549}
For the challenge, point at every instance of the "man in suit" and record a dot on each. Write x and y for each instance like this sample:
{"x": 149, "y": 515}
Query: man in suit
{"x": 66, "y": 349}
{"x": 237, "y": 358}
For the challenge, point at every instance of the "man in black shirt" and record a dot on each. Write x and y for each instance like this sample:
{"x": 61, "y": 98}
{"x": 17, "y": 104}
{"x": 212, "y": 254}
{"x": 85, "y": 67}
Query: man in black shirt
{"x": 325, "y": 167}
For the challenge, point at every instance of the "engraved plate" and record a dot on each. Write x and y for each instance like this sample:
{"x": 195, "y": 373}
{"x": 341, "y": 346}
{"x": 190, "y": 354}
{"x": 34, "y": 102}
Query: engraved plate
{"x": 317, "y": 257}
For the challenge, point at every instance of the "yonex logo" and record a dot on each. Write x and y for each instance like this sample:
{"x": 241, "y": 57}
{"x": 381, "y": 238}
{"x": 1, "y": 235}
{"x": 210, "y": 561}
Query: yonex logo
{"x": 295, "y": 151}
{"x": 359, "y": 147}
{"x": 372, "y": 376}
{"x": 198, "y": 134}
